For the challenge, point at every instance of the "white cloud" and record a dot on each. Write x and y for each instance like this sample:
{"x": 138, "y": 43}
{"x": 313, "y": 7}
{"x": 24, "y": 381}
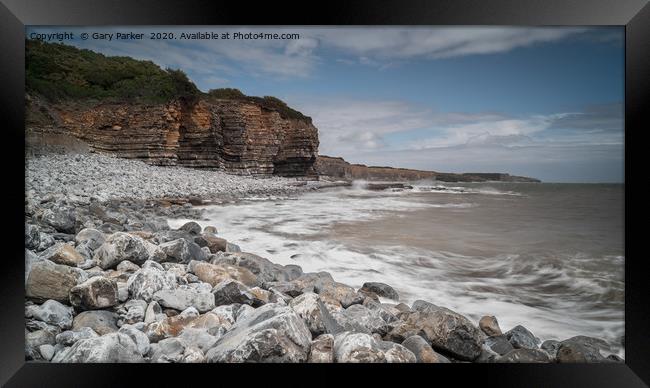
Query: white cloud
{"x": 377, "y": 47}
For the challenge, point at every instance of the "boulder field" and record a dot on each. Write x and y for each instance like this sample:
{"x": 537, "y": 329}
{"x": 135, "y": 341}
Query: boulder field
{"x": 130, "y": 289}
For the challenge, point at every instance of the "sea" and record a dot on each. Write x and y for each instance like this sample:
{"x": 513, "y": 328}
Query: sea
{"x": 548, "y": 256}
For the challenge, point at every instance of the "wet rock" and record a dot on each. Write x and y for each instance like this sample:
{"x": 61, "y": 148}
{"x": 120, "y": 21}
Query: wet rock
{"x": 271, "y": 333}
{"x": 191, "y": 228}
{"x": 499, "y": 344}
{"x": 139, "y": 338}
{"x": 550, "y": 347}
{"x": 60, "y": 218}
{"x": 210, "y": 230}
{"x": 322, "y": 349}
{"x": 356, "y": 348}
{"x": 47, "y": 280}
{"x": 180, "y": 299}
{"x": 109, "y": 348}
{"x": 213, "y": 243}
{"x": 90, "y": 237}
{"x": 523, "y": 355}
{"x": 182, "y": 251}
{"x": 360, "y": 315}
{"x": 396, "y": 353}
{"x": 69, "y": 337}
{"x": 121, "y": 246}
{"x": 447, "y": 331}
{"x": 62, "y": 253}
{"x": 581, "y": 349}
{"x": 521, "y": 338}
{"x": 148, "y": 280}
{"x": 262, "y": 268}
{"x": 386, "y": 312}
{"x": 489, "y": 325}
{"x": 95, "y": 293}
{"x": 101, "y": 321}
{"x": 340, "y": 292}
{"x": 215, "y": 274}
{"x": 423, "y": 351}
{"x": 381, "y": 289}
{"x": 231, "y": 291}
{"x": 306, "y": 305}
{"x": 52, "y": 313}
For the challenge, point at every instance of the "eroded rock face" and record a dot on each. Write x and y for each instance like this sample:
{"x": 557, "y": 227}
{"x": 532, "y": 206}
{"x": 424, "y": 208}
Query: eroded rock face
{"x": 238, "y": 136}
{"x": 271, "y": 333}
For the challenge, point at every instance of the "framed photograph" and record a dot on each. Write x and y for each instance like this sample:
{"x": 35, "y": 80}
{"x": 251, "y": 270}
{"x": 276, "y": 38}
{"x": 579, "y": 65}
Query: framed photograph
{"x": 376, "y": 190}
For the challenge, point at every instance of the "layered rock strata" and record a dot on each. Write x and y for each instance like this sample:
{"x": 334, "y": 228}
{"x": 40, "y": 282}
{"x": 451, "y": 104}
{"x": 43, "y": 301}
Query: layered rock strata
{"x": 236, "y": 136}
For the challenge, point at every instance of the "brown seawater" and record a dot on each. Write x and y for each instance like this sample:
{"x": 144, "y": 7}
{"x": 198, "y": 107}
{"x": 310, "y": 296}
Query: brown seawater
{"x": 547, "y": 256}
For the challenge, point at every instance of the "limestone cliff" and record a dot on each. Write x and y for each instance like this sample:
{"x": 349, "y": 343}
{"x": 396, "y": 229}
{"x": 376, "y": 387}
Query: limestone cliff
{"x": 238, "y": 136}
{"x": 338, "y": 168}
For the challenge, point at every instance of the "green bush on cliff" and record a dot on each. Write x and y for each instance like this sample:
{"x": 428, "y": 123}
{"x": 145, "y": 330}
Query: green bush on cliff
{"x": 267, "y": 102}
{"x": 61, "y": 72}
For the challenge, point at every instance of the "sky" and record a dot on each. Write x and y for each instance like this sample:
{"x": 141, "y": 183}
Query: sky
{"x": 545, "y": 102}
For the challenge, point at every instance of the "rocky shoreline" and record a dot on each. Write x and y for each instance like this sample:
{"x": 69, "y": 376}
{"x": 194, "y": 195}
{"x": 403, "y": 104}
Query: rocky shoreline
{"x": 107, "y": 280}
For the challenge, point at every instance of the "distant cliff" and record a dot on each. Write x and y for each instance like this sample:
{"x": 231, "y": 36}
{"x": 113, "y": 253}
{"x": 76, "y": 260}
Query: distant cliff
{"x": 338, "y": 168}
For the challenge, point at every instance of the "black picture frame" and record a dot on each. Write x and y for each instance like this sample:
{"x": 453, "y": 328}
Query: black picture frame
{"x": 15, "y": 14}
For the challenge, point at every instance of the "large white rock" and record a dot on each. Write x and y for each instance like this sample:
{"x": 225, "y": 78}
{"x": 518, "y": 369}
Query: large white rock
{"x": 112, "y": 347}
{"x": 180, "y": 299}
{"x": 272, "y": 333}
{"x": 148, "y": 280}
{"x": 51, "y": 312}
{"x": 121, "y": 246}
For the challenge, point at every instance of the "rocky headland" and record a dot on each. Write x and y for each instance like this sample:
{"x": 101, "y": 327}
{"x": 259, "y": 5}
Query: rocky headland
{"x": 336, "y": 168}
{"x": 108, "y": 280}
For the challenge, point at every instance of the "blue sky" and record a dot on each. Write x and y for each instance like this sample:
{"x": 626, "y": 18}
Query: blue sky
{"x": 544, "y": 102}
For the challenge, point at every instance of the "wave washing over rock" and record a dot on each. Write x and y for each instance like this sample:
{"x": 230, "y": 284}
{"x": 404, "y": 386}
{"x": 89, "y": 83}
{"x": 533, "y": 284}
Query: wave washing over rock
{"x": 107, "y": 280}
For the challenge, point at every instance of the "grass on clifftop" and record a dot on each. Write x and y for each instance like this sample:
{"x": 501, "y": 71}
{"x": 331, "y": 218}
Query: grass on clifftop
{"x": 59, "y": 72}
{"x": 267, "y": 102}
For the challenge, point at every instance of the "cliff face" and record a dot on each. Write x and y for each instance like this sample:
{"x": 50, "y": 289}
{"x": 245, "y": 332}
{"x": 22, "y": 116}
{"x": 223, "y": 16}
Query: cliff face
{"x": 237, "y": 136}
{"x": 338, "y": 168}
